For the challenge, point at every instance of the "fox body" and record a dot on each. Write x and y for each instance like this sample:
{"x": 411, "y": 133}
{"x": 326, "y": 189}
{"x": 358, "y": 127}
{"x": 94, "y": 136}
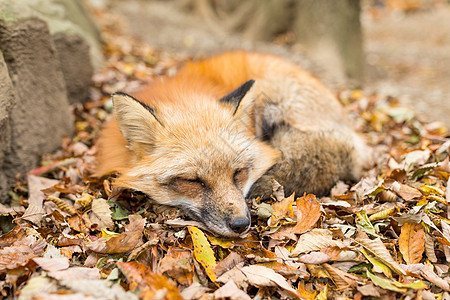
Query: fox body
{"x": 221, "y": 129}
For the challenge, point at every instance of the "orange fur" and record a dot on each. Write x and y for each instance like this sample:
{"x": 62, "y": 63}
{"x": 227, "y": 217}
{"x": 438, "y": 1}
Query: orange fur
{"x": 184, "y": 147}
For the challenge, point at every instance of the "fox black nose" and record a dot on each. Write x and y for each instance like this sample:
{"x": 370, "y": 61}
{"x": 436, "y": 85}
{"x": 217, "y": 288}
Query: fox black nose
{"x": 239, "y": 225}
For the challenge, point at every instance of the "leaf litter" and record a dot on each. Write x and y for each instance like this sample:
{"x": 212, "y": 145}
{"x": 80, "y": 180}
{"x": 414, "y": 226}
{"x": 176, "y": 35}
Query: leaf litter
{"x": 68, "y": 234}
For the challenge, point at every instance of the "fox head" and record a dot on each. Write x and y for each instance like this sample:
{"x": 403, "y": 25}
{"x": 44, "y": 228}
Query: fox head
{"x": 197, "y": 153}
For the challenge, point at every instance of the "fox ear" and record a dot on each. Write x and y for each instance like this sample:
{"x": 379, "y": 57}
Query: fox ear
{"x": 136, "y": 120}
{"x": 234, "y": 98}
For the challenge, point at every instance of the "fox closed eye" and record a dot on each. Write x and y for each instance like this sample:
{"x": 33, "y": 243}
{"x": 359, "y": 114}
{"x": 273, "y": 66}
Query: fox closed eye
{"x": 191, "y": 181}
{"x": 240, "y": 177}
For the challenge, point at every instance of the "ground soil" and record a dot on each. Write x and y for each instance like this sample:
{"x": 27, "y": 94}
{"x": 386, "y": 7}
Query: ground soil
{"x": 408, "y": 53}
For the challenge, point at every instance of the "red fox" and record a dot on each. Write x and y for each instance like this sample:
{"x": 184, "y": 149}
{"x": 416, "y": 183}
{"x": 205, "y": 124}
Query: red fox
{"x": 220, "y": 130}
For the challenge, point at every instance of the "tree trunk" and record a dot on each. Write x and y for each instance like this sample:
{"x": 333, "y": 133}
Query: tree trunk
{"x": 330, "y": 32}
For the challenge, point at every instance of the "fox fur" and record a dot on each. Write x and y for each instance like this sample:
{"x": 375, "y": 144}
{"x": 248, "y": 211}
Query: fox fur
{"x": 220, "y": 130}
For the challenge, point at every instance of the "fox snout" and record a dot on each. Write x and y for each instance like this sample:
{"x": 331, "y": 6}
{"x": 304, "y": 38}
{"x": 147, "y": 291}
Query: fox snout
{"x": 226, "y": 216}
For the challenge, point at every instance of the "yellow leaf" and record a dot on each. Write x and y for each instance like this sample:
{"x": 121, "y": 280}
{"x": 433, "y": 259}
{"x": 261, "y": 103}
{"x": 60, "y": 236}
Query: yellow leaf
{"x": 385, "y": 283}
{"x": 378, "y": 266}
{"x": 282, "y": 209}
{"x": 381, "y": 215}
{"x": 377, "y": 248}
{"x": 428, "y": 190}
{"x": 203, "y": 252}
{"x": 108, "y": 234}
{"x": 412, "y": 242}
{"x": 304, "y": 292}
{"x": 224, "y": 243}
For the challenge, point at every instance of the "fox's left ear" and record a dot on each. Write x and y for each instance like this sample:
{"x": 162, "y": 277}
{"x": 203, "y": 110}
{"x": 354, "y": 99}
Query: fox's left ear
{"x": 136, "y": 120}
{"x": 235, "y": 97}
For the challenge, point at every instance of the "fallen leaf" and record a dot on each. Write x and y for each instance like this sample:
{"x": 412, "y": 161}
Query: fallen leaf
{"x": 35, "y": 210}
{"x": 368, "y": 290}
{"x": 97, "y": 289}
{"x": 151, "y": 285}
{"x": 429, "y": 248}
{"x": 52, "y": 264}
{"x": 178, "y": 265}
{"x": 231, "y": 291}
{"x": 406, "y": 192}
{"x": 233, "y": 259}
{"x": 236, "y": 275}
{"x": 260, "y": 276}
{"x": 342, "y": 279}
{"x": 315, "y": 240}
{"x": 203, "y": 252}
{"x": 315, "y": 258}
{"x": 378, "y": 266}
{"x": 194, "y": 291}
{"x": 7, "y": 239}
{"x": 101, "y": 214}
{"x": 281, "y": 210}
{"x": 308, "y": 212}
{"x": 412, "y": 242}
{"x": 428, "y": 273}
{"x": 385, "y": 283}
{"x": 305, "y": 293}
{"x": 127, "y": 241}
{"x": 377, "y": 248}
{"x": 76, "y": 273}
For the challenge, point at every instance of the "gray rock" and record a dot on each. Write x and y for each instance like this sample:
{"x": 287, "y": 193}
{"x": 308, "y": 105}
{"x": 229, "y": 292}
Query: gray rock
{"x": 7, "y": 101}
{"x": 41, "y": 115}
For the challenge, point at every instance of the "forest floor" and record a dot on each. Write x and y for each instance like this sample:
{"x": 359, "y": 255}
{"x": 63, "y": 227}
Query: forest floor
{"x": 407, "y": 52}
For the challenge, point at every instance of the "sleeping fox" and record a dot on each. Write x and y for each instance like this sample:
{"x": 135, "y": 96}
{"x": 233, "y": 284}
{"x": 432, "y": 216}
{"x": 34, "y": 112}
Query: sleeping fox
{"x": 220, "y": 130}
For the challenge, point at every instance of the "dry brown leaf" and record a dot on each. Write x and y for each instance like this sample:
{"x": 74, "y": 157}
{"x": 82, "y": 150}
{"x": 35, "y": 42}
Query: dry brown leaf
{"x": 124, "y": 242}
{"x": 101, "y": 214}
{"x": 405, "y": 191}
{"x": 231, "y": 291}
{"x": 35, "y": 209}
{"x": 282, "y": 209}
{"x": 369, "y": 290}
{"x": 412, "y": 242}
{"x": 446, "y": 233}
{"x": 237, "y": 276}
{"x": 194, "y": 291}
{"x": 428, "y": 273}
{"x": 429, "y": 248}
{"x": 16, "y": 234}
{"x": 277, "y": 190}
{"x": 315, "y": 240}
{"x": 178, "y": 265}
{"x": 314, "y": 258}
{"x": 233, "y": 259}
{"x": 308, "y": 212}
{"x": 90, "y": 289}
{"x": 260, "y": 276}
{"x": 20, "y": 253}
{"x": 342, "y": 279}
{"x": 377, "y": 248}
{"x": 52, "y": 264}
{"x": 5, "y": 210}
{"x": 151, "y": 285}
{"x": 76, "y": 273}
{"x": 15, "y": 256}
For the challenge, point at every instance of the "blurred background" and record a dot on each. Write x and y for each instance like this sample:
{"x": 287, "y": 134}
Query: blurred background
{"x": 395, "y": 47}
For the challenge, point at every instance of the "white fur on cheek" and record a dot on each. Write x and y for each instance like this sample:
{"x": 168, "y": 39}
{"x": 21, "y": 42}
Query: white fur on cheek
{"x": 247, "y": 187}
